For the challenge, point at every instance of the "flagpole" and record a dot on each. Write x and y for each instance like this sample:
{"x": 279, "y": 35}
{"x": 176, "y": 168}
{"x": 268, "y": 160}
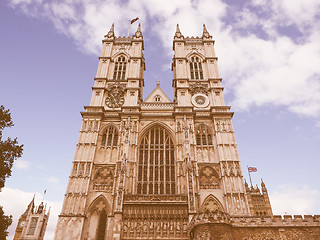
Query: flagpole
{"x": 129, "y": 28}
{"x": 249, "y": 175}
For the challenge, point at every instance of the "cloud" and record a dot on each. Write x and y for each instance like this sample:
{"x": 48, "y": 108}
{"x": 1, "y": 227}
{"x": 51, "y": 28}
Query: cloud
{"x": 269, "y": 49}
{"x": 15, "y": 202}
{"x": 21, "y": 164}
{"x": 53, "y": 179}
{"x": 286, "y": 199}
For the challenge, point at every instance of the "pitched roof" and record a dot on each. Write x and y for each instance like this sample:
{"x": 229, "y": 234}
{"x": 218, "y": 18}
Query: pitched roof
{"x": 158, "y": 92}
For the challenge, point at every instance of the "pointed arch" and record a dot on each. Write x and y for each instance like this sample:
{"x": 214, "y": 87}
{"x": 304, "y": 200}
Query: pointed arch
{"x": 211, "y": 204}
{"x": 195, "y": 53}
{"x": 156, "y": 161}
{"x": 97, "y": 214}
{"x": 195, "y": 66}
{"x": 154, "y": 123}
{"x": 120, "y": 53}
{"x": 120, "y": 65}
{"x": 98, "y": 204}
{"x": 110, "y": 136}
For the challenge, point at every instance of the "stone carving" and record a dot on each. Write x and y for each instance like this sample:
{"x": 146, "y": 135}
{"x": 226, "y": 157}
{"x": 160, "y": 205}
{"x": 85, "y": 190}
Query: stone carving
{"x": 199, "y": 88}
{"x": 165, "y": 221}
{"x": 103, "y": 180}
{"x": 211, "y": 204}
{"x": 115, "y": 95}
{"x": 208, "y": 178}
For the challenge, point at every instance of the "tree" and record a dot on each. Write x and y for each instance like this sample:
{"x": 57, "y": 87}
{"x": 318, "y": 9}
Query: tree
{"x": 5, "y": 222}
{"x": 10, "y": 150}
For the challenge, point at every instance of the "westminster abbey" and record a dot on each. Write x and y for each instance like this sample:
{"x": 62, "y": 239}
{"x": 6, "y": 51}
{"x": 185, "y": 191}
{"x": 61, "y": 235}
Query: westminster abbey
{"x": 163, "y": 169}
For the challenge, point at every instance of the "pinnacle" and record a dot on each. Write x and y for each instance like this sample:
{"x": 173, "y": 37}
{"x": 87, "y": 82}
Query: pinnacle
{"x": 112, "y": 28}
{"x": 178, "y": 29}
{"x": 138, "y": 33}
{"x": 205, "y": 33}
{"x": 204, "y": 28}
{"x": 111, "y": 32}
{"x": 178, "y": 33}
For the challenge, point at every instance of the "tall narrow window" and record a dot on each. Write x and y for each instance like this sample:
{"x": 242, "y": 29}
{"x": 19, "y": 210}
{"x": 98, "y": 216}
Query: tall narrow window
{"x": 110, "y": 137}
{"x": 196, "y": 68}
{"x": 102, "y": 225}
{"x": 156, "y": 170}
{"x": 120, "y": 66}
{"x": 203, "y": 136}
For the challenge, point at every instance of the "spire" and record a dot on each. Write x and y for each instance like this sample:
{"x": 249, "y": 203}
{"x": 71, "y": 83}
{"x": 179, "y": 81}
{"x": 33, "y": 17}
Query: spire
{"x": 263, "y": 187}
{"x": 111, "y": 32}
{"x": 138, "y": 33}
{"x": 205, "y": 33}
{"x": 178, "y": 33}
{"x": 30, "y": 206}
{"x": 246, "y": 185}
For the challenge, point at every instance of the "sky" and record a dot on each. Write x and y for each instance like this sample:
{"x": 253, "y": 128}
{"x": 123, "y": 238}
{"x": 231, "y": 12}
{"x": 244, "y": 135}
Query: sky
{"x": 269, "y": 58}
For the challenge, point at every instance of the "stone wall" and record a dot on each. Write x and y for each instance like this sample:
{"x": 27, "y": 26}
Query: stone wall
{"x": 249, "y": 228}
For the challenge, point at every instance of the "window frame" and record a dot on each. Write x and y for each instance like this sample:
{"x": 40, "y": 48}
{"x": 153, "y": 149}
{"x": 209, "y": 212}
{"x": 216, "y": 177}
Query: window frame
{"x": 196, "y": 68}
{"x": 120, "y": 68}
{"x": 156, "y": 173}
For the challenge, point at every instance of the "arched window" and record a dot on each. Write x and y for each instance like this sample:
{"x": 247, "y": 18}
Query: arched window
{"x": 156, "y": 171}
{"x": 203, "y": 136}
{"x": 157, "y": 98}
{"x": 102, "y": 225}
{"x": 196, "y": 68}
{"x": 110, "y": 137}
{"x": 120, "y": 66}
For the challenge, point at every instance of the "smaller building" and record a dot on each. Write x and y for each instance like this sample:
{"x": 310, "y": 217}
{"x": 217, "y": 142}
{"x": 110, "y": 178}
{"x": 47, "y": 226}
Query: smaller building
{"x": 33, "y": 223}
{"x": 258, "y": 201}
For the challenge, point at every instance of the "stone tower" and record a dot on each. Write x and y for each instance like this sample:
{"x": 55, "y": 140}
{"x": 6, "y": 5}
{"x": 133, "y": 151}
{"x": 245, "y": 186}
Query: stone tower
{"x": 259, "y": 202}
{"x": 145, "y": 169}
{"x": 162, "y": 169}
{"x": 33, "y": 223}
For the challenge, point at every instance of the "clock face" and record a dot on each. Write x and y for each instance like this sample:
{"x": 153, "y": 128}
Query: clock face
{"x": 114, "y": 101}
{"x": 200, "y": 100}
{"x": 23, "y": 223}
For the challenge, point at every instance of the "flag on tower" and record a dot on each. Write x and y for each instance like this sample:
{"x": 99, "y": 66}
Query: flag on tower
{"x": 252, "y": 169}
{"x": 134, "y": 20}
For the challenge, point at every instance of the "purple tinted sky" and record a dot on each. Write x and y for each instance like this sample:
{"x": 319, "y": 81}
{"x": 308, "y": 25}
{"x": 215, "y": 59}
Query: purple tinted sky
{"x": 46, "y": 78}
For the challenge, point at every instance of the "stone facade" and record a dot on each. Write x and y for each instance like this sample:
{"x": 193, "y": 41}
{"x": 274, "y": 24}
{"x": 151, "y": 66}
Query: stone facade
{"x": 158, "y": 169}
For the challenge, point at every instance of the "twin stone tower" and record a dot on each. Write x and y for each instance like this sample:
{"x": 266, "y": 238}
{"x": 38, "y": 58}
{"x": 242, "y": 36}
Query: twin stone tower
{"x": 162, "y": 169}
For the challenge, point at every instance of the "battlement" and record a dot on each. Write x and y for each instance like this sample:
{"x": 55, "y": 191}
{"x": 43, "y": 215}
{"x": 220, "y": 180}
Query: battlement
{"x": 276, "y": 221}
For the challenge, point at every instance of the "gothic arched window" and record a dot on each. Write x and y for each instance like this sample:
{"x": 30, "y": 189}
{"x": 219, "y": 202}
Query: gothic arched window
{"x": 196, "y": 68}
{"x": 120, "y": 66}
{"x": 203, "y": 136}
{"x": 110, "y": 137}
{"x": 156, "y": 170}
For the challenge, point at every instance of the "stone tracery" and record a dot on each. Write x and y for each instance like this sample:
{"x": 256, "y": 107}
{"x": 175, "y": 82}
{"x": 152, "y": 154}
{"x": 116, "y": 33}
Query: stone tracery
{"x": 103, "y": 180}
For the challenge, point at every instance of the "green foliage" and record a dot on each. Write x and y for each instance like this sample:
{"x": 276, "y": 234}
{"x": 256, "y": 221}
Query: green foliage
{"x": 10, "y": 150}
{"x": 5, "y": 222}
